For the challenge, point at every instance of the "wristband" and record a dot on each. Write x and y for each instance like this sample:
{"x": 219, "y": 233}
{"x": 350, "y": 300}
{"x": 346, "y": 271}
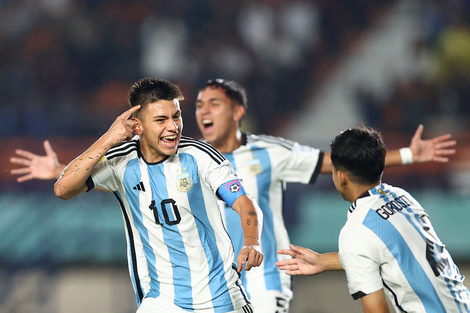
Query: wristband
{"x": 406, "y": 156}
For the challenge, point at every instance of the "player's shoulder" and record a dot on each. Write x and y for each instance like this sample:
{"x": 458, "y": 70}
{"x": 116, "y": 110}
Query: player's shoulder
{"x": 269, "y": 140}
{"x": 354, "y": 233}
{"x": 393, "y": 189}
{"x": 124, "y": 149}
{"x": 199, "y": 148}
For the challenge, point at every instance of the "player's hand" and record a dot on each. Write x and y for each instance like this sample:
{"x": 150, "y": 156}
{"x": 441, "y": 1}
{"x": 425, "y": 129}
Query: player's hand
{"x": 303, "y": 262}
{"x": 249, "y": 256}
{"x": 122, "y": 128}
{"x": 436, "y": 149}
{"x": 36, "y": 166}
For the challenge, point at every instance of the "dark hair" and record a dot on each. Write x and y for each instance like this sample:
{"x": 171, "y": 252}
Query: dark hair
{"x": 149, "y": 90}
{"x": 360, "y": 152}
{"x": 232, "y": 89}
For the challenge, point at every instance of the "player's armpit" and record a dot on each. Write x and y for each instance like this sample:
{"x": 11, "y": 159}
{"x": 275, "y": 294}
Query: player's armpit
{"x": 375, "y": 302}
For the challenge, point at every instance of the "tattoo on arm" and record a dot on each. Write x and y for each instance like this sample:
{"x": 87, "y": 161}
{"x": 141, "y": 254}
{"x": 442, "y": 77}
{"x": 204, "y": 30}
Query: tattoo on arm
{"x": 248, "y": 221}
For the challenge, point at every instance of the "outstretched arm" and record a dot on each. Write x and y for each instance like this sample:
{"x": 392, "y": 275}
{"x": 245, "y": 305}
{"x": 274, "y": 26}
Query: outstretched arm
{"x": 72, "y": 181}
{"x": 251, "y": 218}
{"x": 437, "y": 149}
{"x": 37, "y": 166}
{"x": 307, "y": 262}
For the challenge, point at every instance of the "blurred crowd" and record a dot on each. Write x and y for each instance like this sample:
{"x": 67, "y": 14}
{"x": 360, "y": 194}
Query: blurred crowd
{"x": 438, "y": 94}
{"x": 66, "y": 66}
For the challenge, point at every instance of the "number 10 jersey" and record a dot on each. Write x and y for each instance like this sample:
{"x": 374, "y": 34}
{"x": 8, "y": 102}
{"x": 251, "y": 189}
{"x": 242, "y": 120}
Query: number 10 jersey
{"x": 178, "y": 247}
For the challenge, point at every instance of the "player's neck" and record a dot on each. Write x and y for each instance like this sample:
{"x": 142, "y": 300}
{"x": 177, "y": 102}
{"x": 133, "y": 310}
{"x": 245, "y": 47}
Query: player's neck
{"x": 231, "y": 143}
{"x": 359, "y": 189}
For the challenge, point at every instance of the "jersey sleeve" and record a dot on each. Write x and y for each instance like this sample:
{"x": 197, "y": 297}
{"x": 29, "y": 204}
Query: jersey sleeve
{"x": 299, "y": 164}
{"x": 219, "y": 174}
{"x": 103, "y": 175}
{"x": 361, "y": 261}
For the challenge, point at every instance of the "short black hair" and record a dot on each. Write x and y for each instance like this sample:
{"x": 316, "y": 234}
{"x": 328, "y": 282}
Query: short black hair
{"x": 232, "y": 89}
{"x": 149, "y": 90}
{"x": 361, "y": 152}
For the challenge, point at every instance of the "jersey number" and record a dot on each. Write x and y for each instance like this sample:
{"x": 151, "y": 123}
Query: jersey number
{"x": 434, "y": 249}
{"x": 170, "y": 212}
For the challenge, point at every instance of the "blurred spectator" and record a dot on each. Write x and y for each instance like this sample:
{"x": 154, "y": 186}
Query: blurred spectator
{"x": 371, "y": 106}
{"x": 68, "y": 55}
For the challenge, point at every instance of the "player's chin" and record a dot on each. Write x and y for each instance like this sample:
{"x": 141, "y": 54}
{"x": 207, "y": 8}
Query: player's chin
{"x": 168, "y": 149}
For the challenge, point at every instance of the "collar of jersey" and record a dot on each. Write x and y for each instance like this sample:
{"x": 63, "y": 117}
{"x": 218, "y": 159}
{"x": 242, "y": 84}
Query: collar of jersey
{"x": 368, "y": 193}
{"x": 139, "y": 153}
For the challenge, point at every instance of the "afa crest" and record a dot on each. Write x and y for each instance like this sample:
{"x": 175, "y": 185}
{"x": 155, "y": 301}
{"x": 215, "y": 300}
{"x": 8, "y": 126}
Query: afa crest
{"x": 184, "y": 183}
{"x": 255, "y": 167}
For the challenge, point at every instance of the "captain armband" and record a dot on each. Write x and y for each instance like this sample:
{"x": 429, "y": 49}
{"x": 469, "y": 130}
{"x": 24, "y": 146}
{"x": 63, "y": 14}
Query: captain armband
{"x": 231, "y": 191}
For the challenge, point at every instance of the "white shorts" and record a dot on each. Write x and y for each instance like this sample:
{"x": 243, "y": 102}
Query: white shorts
{"x": 161, "y": 305}
{"x": 271, "y": 301}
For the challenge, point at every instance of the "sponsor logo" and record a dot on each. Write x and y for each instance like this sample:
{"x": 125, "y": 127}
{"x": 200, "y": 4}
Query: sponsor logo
{"x": 140, "y": 186}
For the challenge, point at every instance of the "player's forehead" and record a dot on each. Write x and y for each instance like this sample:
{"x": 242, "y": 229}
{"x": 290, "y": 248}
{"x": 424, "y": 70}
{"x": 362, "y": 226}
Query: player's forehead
{"x": 212, "y": 93}
{"x": 164, "y": 107}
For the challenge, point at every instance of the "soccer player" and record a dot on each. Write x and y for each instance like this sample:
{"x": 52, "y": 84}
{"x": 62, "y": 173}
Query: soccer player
{"x": 265, "y": 164}
{"x": 180, "y": 256}
{"x": 388, "y": 245}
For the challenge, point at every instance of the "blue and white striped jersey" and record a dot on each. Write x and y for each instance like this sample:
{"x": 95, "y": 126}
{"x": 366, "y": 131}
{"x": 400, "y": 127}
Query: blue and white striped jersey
{"x": 178, "y": 247}
{"x": 265, "y": 164}
{"x": 388, "y": 242}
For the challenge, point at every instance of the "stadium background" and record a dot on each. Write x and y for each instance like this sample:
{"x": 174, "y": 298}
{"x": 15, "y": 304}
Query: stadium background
{"x": 311, "y": 69}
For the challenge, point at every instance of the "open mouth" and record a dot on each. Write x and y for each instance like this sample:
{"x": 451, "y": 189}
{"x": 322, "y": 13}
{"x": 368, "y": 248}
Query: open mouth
{"x": 207, "y": 123}
{"x": 170, "y": 140}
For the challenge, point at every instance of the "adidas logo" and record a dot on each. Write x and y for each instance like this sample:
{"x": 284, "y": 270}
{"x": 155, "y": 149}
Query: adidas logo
{"x": 139, "y": 186}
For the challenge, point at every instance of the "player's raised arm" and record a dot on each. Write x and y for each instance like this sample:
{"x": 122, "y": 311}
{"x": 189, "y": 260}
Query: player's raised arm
{"x": 437, "y": 149}
{"x": 35, "y": 166}
{"x": 72, "y": 181}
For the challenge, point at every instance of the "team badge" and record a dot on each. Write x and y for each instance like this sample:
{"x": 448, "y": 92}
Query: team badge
{"x": 255, "y": 167}
{"x": 382, "y": 192}
{"x": 184, "y": 183}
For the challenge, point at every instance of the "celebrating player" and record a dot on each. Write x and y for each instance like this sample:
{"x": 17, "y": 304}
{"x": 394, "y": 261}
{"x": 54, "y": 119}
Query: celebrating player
{"x": 180, "y": 255}
{"x": 388, "y": 245}
{"x": 265, "y": 163}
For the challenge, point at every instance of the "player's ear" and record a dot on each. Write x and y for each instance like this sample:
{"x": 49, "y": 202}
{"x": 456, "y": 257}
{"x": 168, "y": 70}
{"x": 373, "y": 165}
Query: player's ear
{"x": 137, "y": 126}
{"x": 343, "y": 178}
{"x": 239, "y": 111}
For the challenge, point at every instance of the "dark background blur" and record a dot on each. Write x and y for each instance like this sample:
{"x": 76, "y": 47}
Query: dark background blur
{"x": 311, "y": 68}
